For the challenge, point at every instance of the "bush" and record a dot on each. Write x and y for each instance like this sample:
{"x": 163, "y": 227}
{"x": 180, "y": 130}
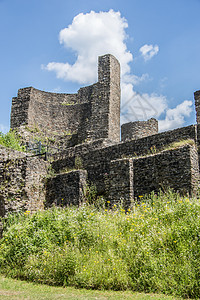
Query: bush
{"x": 153, "y": 247}
{"x": 11, "y": 140}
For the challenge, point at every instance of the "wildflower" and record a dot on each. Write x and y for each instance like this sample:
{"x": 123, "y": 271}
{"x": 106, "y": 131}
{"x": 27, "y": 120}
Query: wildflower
{"x": 108, "y": 201}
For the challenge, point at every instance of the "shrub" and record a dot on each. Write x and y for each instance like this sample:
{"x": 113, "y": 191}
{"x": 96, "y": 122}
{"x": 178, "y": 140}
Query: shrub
{"x": 152, "y": 247}
{"x": 11, "y": 140}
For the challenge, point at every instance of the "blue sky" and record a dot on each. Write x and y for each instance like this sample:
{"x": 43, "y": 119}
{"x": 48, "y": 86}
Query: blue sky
{"x": 157, "y": 43}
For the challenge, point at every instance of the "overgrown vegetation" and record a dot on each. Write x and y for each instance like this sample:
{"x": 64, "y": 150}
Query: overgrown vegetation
{"x": 11, "y": 140}
{"x": 153, "y": 247}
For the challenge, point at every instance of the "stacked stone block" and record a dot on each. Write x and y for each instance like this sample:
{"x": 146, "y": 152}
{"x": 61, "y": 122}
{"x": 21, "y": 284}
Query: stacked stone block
{"x": 119, "y": 185}
{"x": 174, "y": 168}
{"x": 197, "y": 105}
{"x": 66, "y": 189}
{"x": 138, "y": 129}
{"x": 22, "y": 184}
{"x": 93, "y": 113}
{"x": 87, "y": 125}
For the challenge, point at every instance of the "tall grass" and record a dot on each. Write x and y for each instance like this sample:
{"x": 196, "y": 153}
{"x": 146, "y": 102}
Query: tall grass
{"x": 153, "y": 247}
{"x": 11, "y": 140}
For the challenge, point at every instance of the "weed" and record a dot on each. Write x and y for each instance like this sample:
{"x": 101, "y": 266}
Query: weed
{"x": 11, "y": 140}
{"x": 78, "y": 163}
{"x": 152, "y": 247}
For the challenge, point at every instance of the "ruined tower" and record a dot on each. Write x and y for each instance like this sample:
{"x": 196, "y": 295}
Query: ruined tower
{"x": 90, "y": 114}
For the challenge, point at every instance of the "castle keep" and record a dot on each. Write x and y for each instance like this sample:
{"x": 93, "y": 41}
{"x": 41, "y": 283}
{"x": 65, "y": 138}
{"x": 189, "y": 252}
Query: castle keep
{"x": 82, "y": 132}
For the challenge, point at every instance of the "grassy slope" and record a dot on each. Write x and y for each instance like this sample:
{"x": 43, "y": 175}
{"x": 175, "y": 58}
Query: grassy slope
{"x": 15, "y": 289}
{"x": 154, "y": 247}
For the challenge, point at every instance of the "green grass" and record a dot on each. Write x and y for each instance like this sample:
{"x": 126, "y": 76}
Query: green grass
{"x": 15, "y": 289}
{"x": 11, "y": 140}
{"x": 152, "y": 248}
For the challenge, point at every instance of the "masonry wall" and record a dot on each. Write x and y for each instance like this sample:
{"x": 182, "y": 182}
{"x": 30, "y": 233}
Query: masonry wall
{"x": 22, "y": 184}
{"x": 7, "y": 153}
{"x": 197, "y": 105}
{"x": 93, "y": 113}
{"x": 119, "y": 182}
{"x": 66, "y": 189}
{"x": 109, "y": 76}
{"x": 97, "y": 162}
{"x": 138, "y": 129}
{"x": 175, "y": 168}
{"x": 22, "y": 111}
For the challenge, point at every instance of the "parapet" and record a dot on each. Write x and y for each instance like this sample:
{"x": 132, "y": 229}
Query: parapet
{"x": 138, "y": 129}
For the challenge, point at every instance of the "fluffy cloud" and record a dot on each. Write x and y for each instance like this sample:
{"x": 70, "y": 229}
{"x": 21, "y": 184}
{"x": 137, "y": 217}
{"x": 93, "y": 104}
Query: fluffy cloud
{"x": 136, "y": 106}
{"x": 148, "y": 51}
{"x": 176, "y": 117}
{"x": 93, "y": 34}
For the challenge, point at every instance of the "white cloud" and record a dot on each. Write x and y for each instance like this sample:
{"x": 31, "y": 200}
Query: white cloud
{"x": 134, "y": 79}
{"x": 136, "y": 106}
{"x": 148, "y": 51}
{"x": 175, "y": 117}
{"x": 93, "y": 34}
{"x": 4, "y": 128}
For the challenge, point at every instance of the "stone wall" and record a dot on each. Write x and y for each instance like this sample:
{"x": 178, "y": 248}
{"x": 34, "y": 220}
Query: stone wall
{"x": 139, "y": 129}
{"x": 87, "y": 125}
{"x": 7, "y": 153}
{"x": 93, "y": 113}
{"x": 197, "y": 105}
{"x": 97, "y": 161}
{"x": 23, "y": 106}
{"x": 22, "y": 184}
{"x": 109, "y": 76}
{"x": 175, "y": 168}
{"x": 119, "y": 182}
{"x": 66, "y": 189}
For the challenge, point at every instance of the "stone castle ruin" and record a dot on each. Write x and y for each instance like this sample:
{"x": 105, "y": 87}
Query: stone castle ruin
{"x": 82, "y": 133}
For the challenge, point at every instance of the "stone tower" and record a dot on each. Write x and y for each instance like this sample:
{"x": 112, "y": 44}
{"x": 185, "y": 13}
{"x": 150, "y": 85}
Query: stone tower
{"x": 90, "y": 114}
{"x": 197, "y": 105}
